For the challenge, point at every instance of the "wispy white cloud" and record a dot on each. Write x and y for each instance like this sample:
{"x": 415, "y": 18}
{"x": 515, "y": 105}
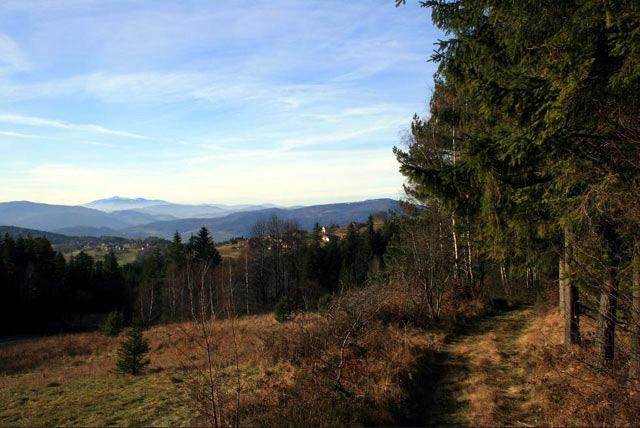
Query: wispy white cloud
{"x": 20, "y": 135}
{"x": 273, "y": 100}
{"x": 50, "y": 123}
{"x": 337, "y": 137}
{"x": 216, "y": 86}
{"x": 95, "y": 143}
{"x": 12, "y": 57}
{"x": 372, "y": 111}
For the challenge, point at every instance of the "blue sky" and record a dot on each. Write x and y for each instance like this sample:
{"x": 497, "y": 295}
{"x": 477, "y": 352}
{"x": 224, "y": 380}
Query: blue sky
{"x": 281, "y": 101}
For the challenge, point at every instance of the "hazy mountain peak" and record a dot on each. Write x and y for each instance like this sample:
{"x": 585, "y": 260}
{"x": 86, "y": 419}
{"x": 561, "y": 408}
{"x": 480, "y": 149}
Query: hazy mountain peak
{"x": 118, "y": 203}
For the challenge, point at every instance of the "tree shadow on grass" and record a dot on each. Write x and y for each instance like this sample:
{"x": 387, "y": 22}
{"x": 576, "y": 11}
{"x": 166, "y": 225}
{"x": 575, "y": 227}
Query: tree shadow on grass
{"x": 434, "y": 386}
{"x": 432, "y": 390}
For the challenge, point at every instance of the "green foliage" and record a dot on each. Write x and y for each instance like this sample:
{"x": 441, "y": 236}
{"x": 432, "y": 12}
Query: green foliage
{"x": 176, "y": 251}
{"x": 132, "y": 353}
{"x": 38, "y": 286}
{"x": 356, "y": 254}
{"x": 202, "y": 248}
{"x": 533, "y": 119}
{"x": 112, "y": 324}
{"x": 283, "y": 310}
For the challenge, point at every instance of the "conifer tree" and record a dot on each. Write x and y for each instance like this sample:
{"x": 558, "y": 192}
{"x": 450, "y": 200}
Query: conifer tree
{"x": 539, "y": 101}
{"x": 176, "y": 251}
{"x": 204, "y": 248}
{"x": 132, "y": 353}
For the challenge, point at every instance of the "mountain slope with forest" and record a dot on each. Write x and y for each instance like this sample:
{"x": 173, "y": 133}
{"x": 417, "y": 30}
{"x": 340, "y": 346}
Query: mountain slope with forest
{"x": 51, "y": 217}
{"x": 240, "y": 224}
{"x": 155, "y": 220}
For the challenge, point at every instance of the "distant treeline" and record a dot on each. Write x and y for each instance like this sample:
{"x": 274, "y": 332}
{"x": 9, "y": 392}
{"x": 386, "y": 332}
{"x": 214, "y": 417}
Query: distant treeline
{"x": 190, "y": 280}
{"x": 65, "y": 243}
{"x": 41, "y": 292}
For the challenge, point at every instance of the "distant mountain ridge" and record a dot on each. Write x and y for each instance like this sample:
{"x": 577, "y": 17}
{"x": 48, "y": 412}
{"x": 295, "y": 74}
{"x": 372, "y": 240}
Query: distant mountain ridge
{"x": 151, "y": 220}
{"x": 163, "y": 210}
{"x": 118, "y": 203}
{"x": 48, "y": 217}
{"x": 15, "y": 232}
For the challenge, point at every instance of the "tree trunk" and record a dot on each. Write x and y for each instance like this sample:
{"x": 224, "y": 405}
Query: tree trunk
{"x": 561, "y": 281}
{"x": 607, "y": 315}
{"x": 634, "y": 367}
{"x": 569, "y": 295}
{"x": 456, "y": 262}
{"x": 470, "y": 263}
{"x": 607, "y": 320}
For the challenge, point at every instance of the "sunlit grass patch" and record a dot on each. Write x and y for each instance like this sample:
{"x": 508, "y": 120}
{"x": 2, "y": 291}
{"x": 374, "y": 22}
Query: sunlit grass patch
{"x": 96, "y": 401}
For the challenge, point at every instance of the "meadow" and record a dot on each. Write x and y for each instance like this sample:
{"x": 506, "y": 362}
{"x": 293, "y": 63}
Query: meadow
{"x": 285, "y": 371}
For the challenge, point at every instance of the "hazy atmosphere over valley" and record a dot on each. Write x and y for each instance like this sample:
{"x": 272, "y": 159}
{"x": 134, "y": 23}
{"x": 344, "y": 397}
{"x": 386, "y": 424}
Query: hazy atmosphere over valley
{"x": 207, "y": 102}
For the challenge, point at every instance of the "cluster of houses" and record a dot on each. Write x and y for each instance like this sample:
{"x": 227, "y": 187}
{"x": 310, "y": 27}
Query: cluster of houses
{"x": 326, "y": 235}
{"x": 338, "y": 233}
{"x": 115, "y": 247}
{"x": 110, "y": 247}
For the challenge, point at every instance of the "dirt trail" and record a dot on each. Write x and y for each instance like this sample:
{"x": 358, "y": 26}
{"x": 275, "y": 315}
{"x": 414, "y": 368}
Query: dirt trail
{"x": 479, "y": 378}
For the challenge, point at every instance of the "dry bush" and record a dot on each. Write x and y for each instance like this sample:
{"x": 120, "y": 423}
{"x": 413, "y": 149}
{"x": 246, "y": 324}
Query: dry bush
{"x": 568, "y": 386}
{"x": 350, "y": 362}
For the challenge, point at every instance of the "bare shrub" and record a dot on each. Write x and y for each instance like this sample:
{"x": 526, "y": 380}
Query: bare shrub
{"x": 350, "y": 359}
{"x": 213, "y": 374}
{"x": 422, "y": 257}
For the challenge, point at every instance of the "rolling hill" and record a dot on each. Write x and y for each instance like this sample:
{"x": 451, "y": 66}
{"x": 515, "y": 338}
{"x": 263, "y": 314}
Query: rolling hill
{"x": 67, "y": 243}
{"x": 54, "y": 238}
{"x": 52, "y": 217}
{"x": 136, "y": 217}
{"x": 155, "y": 220}
{"x": 240, "y": 224}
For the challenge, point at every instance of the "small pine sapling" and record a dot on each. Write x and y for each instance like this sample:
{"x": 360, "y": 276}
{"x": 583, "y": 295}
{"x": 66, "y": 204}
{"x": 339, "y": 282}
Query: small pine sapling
{"x": 132, "y": 353}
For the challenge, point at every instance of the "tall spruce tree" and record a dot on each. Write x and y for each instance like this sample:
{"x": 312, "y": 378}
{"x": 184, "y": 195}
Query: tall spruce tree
{"x": 540, "y": 101}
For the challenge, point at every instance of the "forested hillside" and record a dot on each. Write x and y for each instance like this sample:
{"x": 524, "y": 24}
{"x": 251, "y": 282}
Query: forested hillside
{"x": 532, "y": 146}
{"x": 280, "y": 262}
{"x": 161, "y": 219}
{"x": 531, "y": 151}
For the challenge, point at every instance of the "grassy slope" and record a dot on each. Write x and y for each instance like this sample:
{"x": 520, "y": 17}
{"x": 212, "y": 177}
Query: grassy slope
{"x": 230, "y": 250}
{"x": 508, "y": 368}
{"x": 69, "y": 379}
{"x": 128, "y": 255}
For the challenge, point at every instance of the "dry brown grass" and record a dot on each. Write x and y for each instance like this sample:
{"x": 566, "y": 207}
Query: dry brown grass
{"x": 287, "y": 371}
{"x": 348, "y": 363}
{"x": 233, "y": 251}
{"x": 567, "y": 386}
{"x": 484, "y": 378}
{"x": 25, "y": 354}
{"x": 480, "y": 392}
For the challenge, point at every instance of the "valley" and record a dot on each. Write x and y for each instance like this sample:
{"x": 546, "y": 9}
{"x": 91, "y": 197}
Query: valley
{"x": 142, "y": 218}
